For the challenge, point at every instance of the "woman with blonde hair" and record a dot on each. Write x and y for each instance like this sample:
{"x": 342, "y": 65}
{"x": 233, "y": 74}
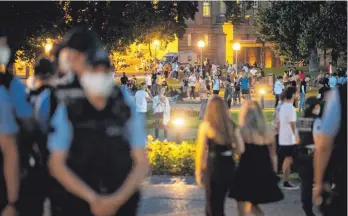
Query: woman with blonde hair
{"x": 218, "y": 138}
{"x": 256, "y": 181}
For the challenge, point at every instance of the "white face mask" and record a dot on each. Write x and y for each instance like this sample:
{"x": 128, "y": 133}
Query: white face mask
{"x": 5, "y": 54}
{"x": 64, "y": 63}
{"x": 99, "y": 84}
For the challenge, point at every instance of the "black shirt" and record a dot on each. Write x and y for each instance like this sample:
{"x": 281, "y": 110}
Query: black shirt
{"x": 124, "y": 80}
{"x": 304, "y": 84}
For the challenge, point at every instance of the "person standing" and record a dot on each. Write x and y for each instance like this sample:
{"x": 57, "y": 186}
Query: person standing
{"x": 192, "y": 83}
{"x": 330, "y": 138}
{"x": 245, "y": 85}
{"x": 303, "y": 91}
{"x": 278, "y": 89}
{"x": 203, "y": 94}
{"x": 141, "y": 98}
{"x": 97, "y": 146}
{"x": 333, "y": 80}
{"x": 228, "y": 93}
{"x": 236, "y": 95}
{"x": 255, "y": 180}
{"x": 287, "y": 134}
{"x": 160, "y": 108}
{"x": 218, "y": 138}
{"x": 148, "y": 81}
{"x": 306, "y": 151}
{"x": 216, "y": 85}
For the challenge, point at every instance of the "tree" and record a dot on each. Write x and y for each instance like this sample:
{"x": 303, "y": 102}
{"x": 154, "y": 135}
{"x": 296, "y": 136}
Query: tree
{"x": 297, "y": 29}
{"x": 235, "y": 10}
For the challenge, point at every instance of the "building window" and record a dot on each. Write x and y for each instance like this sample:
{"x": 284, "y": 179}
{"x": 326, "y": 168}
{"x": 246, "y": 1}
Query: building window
{"x": 206, "y": 9}
{"x": 222, "y": 7}
{"x": 189, "y": 39}
{"x": 206, "y": 39}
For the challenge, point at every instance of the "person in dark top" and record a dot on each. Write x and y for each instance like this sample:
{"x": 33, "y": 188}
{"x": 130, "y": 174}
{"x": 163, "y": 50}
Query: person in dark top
{"x": 214, "y": 159}
{"x": 124, "y": 79}
{"x": 304, "y": 126}
{"x": 326, "y": 80}
{"x": 154, "y": 78}
{"x": 303, "y": 92}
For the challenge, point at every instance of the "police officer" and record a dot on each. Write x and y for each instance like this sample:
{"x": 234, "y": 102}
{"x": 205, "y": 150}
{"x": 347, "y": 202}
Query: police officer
{"x": 9, "y": 157}
{"x": 97, "y": 146}
{"x": 331, "y": 153}
{"x": 306, "y": 151}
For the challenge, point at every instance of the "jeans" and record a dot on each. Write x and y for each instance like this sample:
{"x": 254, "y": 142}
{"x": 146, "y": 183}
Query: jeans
{"x": 159, "y": 124}
{"x": 302, "y": 100}
{"x": 306, "y": 175}
{"x": 175, "y": 98}
{"x": 229, "y": 101}
{"x": 203, "y": 107}
{"x": 277, "y": 100}
{"x": 236, "y": 96}
{"x": 192, "y": 93}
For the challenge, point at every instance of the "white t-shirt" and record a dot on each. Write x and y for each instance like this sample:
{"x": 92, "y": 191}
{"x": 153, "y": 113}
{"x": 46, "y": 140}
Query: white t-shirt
{"x": 192, "y": 80}
{"x": 216, "y": 84}
{"x": 148, "y": 80}
{"x": 287, "y": 114}
{"x": 140, "y": 101}
{"x": 246, "y": 69}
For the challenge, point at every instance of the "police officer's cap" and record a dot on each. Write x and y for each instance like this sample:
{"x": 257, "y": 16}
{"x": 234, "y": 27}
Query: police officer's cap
{"x": 98, "y": 57}
{"x": 3, "y": 32}
{"x": 44, "y": 68}
{"x": 81, "y": 39}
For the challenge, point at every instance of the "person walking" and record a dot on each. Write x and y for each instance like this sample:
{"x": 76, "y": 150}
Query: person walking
{"x": 255, "y": 180}
{"x": 124, "y": 80}
{"x": 330, "y": 138}
{"x": 245, "y": 85}
{"x": 160, "y": 107}
{"x": 305, "y": 153}
{"x": 192, "y": 83}
{"x": 216, "y": 85}
{"x": 97, "y": 146}
{"x": 203, "y": 94}
{"x": 218, "y": 139}
{"x": 303, "y": 91}
{"x": 228, "y": 95}
{"x": 287, "y": 134}
{"x": 141, "y": 98}
{"x": 333, "y": 80}
{"x": 148, "y": 81}
{"x": 278, "y": 89}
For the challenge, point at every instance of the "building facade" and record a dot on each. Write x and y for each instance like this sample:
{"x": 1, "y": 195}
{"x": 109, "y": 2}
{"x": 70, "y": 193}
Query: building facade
{"x": 219, "y": 36}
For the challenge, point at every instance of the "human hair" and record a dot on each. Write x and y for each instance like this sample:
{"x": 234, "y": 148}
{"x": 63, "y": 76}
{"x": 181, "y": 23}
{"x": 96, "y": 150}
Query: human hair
{"x": 253, "y": 125}
{"x": 219, "y": 119}
{"x": 310, "y": 104}
{"x": 143, "y": 85}
{"x": 289, "y": 92}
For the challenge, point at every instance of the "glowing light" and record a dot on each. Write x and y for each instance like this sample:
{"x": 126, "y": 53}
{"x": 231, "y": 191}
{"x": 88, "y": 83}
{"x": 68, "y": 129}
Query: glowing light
{"x": 262, "y": 91}
{"x": 156, "y": 42}
{"x": 179, "y": 122}
{"x": 236, "y": 46}
{"x": 48, "y": 46}
{"x": 201, "y": 44}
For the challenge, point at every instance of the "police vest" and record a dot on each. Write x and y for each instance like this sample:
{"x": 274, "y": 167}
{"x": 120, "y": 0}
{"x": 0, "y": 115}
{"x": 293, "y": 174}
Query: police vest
{"x": 99, "y": 154}
{"x": 304, "y": 126}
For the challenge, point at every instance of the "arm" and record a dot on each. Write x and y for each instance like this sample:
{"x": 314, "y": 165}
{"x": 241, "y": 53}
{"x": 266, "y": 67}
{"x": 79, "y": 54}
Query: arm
{"x": 239, "y": 142}
{"x": 273, "y": 153}
{"x": 59, "y": 143}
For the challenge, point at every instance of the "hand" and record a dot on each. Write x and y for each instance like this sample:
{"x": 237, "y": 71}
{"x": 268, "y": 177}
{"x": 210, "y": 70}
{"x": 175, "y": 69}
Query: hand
{"x": 105, "y": 206}
{"x": 9, "y": 211}
{"x": 317, "y": 190}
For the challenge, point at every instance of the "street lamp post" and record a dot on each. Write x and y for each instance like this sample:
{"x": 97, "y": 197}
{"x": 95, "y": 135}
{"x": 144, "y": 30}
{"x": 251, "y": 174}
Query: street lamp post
{"x": 156, "y": 43}
{"x": 48, "y": 46}
{"x": 201, "y": 45}
{"x": 236, "y": 47}
{"x": 262, "y": 92}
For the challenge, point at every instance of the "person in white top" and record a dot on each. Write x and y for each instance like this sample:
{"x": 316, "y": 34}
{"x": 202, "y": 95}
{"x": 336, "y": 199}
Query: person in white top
{"x": 148, "y": 80}
{"x": 192, "y": 84}
{"x": 216, "y": 85}
{"x": 141, "y": 98}
{"x": 161, "y": 109}
{"x": 287, "y": 134}
{"x": 278, "y": 89}
{"x": 214, "y": 69}
{"x": 246, "y": 69}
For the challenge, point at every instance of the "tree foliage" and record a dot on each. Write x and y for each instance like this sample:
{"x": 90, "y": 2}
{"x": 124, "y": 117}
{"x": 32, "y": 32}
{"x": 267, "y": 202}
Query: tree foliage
{"x": 234, "y": 11}
{"x": 118, "y": 23}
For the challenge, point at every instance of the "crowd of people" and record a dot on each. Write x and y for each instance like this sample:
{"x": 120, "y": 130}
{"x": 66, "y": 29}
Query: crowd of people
{"x": 77, "y": 139}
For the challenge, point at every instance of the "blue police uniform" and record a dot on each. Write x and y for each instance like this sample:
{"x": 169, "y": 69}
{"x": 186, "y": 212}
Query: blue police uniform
{"x": 99, "y": 144}
{"x": 8, "y": 126}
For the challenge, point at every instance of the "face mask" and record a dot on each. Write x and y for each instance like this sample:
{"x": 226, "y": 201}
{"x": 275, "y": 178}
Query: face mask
{"x": 64, "y": 63}
{"x": 5, "y": 54}
{"x": 316, "y": 112}
{"x": 99, "y": 84}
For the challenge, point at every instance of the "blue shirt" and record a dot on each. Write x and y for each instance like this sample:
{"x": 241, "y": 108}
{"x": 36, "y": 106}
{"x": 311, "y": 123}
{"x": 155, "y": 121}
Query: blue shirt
{"x": 61, "y": 138}
{"x": 42, "y": 109}
{"x": 330, "y": 122}
{"x": 18, "y": 97}
{"x": 341, "y": 80}
{"x": 8, "y": 123}
{"x": 244, "y": 83}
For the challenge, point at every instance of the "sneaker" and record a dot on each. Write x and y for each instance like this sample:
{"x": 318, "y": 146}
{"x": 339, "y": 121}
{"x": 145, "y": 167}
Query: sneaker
{"x": 165, "y": 140}
{"x": 288, "y": 186}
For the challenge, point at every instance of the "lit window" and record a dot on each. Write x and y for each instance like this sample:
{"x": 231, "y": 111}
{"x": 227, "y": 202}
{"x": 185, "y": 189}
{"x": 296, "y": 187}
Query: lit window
{"x": 222, "y": 7}
{"x": 206, "y": 9}
{"x": 206, "y": 39}
{"x": 189, "y": 40}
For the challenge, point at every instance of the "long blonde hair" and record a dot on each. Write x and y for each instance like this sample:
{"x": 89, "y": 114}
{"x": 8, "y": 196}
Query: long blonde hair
{"x": 253, "y": 125}
{"x": 220, "y": 121}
